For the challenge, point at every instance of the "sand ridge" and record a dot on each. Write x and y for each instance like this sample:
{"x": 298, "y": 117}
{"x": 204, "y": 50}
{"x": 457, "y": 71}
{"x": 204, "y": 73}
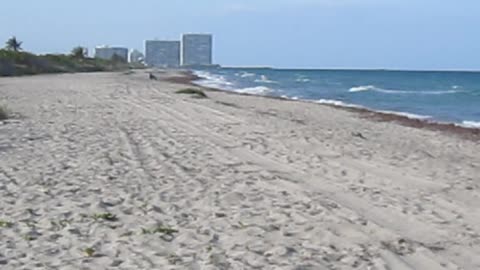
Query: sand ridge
{"x": 227, "y": 182}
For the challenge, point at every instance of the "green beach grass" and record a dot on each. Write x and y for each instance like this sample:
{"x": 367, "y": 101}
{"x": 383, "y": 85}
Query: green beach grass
{"x": 191, "y": 91}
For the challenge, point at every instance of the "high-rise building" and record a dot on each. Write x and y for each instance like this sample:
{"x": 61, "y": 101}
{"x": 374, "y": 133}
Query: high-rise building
{"x": 106, "y": 52}
{"x": 162, "y": 53}
{"x": 196, "y": 49}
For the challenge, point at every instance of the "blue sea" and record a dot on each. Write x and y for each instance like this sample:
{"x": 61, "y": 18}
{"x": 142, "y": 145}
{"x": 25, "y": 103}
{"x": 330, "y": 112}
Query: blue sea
{"x": 440, "y": 96}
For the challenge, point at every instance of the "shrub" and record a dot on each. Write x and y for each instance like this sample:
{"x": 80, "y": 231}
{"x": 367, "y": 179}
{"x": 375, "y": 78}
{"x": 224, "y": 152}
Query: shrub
{"x": 5, "y": 224}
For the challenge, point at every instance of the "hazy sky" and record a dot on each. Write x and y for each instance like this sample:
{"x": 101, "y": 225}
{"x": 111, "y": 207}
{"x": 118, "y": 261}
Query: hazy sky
{"x": 406, "y": 34}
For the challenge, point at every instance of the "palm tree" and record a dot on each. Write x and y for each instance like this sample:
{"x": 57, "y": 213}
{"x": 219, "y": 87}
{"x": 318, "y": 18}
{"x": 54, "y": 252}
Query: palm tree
{"x": 78, "y": 52}
{"x": 13, "y": 44}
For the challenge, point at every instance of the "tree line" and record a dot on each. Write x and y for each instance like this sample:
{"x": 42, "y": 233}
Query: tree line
{"x": 13, "y": 44}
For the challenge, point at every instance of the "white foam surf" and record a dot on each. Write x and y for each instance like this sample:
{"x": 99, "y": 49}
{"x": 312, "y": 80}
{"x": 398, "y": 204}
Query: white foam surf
{"x": 292, "y": 98}
{"x": 220, "y": 82}
{"x": 364, "y": 88}
{"x": 337, "y": 103}
{"x": 258, "y": 90}
{"x": 408, "y": 115}
{"x": 348, "y": 105}
{"x": 213, "y": 80}
{"x": 471, "y": 124}
{"x": 264, "y": 79}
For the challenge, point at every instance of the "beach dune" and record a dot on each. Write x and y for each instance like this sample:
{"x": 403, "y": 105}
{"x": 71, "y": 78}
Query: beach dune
{"x": 116, "y": 171}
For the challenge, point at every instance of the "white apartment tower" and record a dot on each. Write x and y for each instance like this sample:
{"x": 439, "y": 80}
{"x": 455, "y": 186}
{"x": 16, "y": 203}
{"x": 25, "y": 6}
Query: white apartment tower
{"x": 196, "y": 49}
{"x": 162, "y": 53}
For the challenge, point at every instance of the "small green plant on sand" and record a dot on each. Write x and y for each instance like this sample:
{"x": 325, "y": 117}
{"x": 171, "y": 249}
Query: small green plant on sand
{"x": 160, "y": 229}
{"x": 105, "y": 216}
{"x": 28, "y": 237}
{"x": 5, "y": 224}
{"x": 191, "y": 91}
{"x": 3, "y": 113}
{"x": 89, "y": 252}
{"x": 165, "y": 230}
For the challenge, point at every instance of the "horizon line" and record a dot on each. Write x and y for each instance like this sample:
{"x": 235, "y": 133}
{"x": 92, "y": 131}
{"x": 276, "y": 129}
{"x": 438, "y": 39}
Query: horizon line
{"x": 353, "y": 69}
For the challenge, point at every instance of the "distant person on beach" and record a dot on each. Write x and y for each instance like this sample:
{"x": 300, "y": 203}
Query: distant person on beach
{"x": 152, "y": 77}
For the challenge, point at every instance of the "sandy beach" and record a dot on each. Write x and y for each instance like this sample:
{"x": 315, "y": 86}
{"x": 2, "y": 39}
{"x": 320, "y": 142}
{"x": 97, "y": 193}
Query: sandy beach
{"x": 115, "y": 171}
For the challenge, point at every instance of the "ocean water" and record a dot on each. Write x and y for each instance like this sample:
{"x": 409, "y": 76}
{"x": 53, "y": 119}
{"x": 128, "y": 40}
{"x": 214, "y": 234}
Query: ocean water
{"x": 434, "y": 95}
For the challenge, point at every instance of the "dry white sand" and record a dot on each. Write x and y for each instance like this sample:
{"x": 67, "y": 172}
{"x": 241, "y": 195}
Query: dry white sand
{"x": 244, "y": 182}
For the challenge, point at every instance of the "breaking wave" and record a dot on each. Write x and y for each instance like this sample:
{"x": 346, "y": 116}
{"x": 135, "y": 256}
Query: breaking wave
{"x": 213, "y": 80}
{"x": 220, "y": 82}
{"x": 362, "y": 88}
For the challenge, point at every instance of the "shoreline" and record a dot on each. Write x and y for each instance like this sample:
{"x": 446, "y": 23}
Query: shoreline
{"x": 469, "y": 133}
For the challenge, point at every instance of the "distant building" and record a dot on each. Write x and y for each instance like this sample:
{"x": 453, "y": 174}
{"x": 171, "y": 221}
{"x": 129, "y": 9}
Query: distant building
{"x": 106, "y": 52}
{"x": 196, "y": 49}
{"x": 162, "y": 53}
{"x": 135, "y": 56}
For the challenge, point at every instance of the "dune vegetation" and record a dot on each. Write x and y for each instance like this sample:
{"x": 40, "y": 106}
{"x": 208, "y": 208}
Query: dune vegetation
{"x": 16, "y": 62}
